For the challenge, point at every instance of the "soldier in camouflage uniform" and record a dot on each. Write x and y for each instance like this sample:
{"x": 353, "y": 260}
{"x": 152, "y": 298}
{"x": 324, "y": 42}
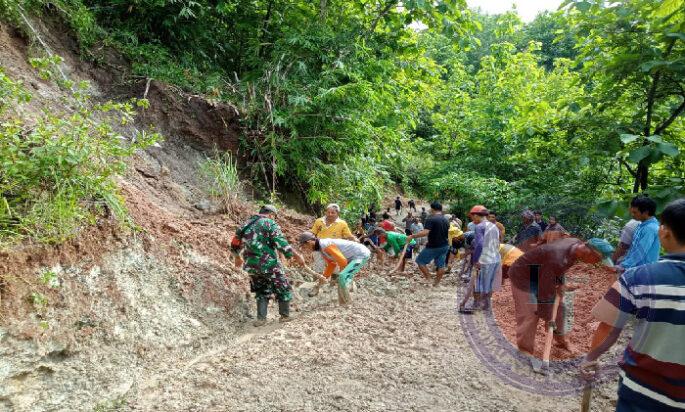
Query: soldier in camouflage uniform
{"x": 260, "y": 240}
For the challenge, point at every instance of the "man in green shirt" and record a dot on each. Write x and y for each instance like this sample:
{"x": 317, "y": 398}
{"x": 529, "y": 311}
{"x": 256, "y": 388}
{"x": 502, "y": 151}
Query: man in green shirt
{"x": 396, "y": 241}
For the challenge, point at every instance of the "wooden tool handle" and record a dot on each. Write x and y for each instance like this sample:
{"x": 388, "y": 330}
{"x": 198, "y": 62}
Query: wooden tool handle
{"x": 312, "y": 273}
{"x": 587, "y": 395}
{"x": 550, "y": 331}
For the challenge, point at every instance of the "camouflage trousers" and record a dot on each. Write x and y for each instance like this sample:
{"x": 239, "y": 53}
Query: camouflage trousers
{"x": 273, "y": 283}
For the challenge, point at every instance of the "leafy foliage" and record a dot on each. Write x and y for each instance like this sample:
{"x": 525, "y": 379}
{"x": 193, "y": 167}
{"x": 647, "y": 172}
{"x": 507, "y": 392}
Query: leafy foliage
{"x": 632, "y": 53}
{"x": 342, "y": 99}
{"x": 59, "y": 171}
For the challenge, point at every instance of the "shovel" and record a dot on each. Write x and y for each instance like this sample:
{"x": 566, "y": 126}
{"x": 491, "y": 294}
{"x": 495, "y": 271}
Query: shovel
{"x": 587, "y": 396}
{"x": 552, "y": 326}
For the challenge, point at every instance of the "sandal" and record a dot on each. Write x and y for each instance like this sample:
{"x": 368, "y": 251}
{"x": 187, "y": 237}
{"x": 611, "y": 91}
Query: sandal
{"x": 466, "y": 311}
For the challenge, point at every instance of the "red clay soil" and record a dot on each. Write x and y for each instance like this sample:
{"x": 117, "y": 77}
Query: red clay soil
{"x": 594, "y": 281}
{"x": 170, "y": 234}
{"x": 165, "y": 234}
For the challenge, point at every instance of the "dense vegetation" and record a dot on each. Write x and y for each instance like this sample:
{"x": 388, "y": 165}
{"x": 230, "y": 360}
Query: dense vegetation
{"x": 58, "y": 171}
{"x": 342, "y": 99}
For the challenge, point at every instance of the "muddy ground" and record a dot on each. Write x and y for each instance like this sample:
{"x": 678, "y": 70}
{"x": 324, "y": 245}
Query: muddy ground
{"x": 401, "y": 346}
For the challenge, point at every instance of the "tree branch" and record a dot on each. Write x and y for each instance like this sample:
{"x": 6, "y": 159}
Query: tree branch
{"x": 323, "y": 9}
{"x": 677, "y": 112}
{"x": 650, "y": 103}
{"x": 652, "y": 92}
{"x": 381, "y": 14}
{"x": 631, "y": 171}
{"x": 264, "y": 29}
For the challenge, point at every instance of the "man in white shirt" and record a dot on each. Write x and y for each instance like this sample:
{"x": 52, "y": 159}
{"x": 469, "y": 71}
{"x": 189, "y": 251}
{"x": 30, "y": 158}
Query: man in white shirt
{"x": 625, "y": 240}
{"x": 486, "y": 259}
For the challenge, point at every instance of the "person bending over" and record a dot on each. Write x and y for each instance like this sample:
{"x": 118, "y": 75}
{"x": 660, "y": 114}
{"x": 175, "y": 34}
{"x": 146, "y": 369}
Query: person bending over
{"x": 346, "y": 255}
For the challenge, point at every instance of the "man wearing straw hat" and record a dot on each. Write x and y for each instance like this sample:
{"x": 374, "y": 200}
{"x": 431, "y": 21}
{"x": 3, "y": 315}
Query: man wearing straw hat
{"x": 537, "y": 278}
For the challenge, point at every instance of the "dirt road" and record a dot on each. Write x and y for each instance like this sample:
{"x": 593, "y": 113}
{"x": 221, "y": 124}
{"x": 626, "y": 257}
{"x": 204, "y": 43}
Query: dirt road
{"x": 399, "y": 347}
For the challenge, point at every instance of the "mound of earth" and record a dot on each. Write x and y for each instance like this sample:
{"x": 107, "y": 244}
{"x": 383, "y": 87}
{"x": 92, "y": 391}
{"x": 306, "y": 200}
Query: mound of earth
{"x": 594, "y": 281}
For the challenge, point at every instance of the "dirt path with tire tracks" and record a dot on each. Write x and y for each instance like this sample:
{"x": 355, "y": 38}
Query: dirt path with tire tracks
{"x": 400, "y": 347}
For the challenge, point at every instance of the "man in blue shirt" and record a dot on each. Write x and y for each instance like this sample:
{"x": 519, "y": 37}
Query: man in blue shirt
{"x": 653, "y": 295}
{"x": 645, "y": 246}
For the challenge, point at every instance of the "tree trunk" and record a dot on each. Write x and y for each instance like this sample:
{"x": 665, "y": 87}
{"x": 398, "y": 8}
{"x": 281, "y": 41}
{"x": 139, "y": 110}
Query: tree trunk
{"x": 265, "y": 27}
{"x": 323, "y": 9}
{"x": 642, "y": 172}
{"x": 641, "y": 177}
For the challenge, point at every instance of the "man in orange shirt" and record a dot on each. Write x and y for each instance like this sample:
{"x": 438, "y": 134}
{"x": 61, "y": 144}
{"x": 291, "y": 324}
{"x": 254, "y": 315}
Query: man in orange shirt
{"x": 349, "y": 256}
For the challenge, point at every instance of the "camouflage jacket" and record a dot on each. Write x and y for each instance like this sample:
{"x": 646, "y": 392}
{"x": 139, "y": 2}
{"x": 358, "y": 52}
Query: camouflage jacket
{"x": 260, "y": 241}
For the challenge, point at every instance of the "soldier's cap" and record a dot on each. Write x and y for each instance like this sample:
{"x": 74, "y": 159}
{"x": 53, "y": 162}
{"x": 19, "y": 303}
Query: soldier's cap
{"x": 305, "y": 237}
{"x": 266, "y": 209}
{"x": 604, "y": 248}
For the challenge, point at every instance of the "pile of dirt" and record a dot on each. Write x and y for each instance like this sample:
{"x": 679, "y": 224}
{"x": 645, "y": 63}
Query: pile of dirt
{"x": 213, "y": 124}
{"x": 594, "y": 281}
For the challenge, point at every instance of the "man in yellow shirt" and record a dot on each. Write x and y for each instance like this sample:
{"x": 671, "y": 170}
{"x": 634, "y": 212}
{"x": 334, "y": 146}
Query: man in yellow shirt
{"x": 454, "y": 236}
{"x": 330, "y": 227}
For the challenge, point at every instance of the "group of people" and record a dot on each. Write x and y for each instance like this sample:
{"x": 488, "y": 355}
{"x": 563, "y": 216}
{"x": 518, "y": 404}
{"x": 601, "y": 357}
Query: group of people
{"x": 649, "y": 290}
{"x": 338, "y": 253}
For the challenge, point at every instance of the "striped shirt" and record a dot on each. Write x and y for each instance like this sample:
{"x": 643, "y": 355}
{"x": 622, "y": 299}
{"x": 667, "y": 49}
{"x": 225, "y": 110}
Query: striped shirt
{"x": 654, "y": 362}
{"x": 645, "y": 246}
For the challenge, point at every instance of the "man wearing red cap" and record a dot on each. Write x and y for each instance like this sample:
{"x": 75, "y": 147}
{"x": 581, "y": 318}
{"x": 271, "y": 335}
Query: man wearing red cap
{"x": 486, "y": 258}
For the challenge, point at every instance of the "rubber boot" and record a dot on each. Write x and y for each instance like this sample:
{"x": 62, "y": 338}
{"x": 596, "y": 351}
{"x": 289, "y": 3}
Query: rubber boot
{"x": 284, "y": 310}
{"x": 262, "y": 309}
{"x": 477, "y": 303}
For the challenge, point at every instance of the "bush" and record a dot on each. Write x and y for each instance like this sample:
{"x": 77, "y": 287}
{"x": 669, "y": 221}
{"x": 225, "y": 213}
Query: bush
{"x": 355, "y": 186}
{"x": 58, "y": 172}
{"x": 222, "y": 173}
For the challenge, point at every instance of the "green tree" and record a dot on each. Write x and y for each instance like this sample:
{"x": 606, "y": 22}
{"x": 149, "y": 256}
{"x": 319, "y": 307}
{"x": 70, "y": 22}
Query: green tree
{"x": 553, "y": 32}
{"x": 633, "y": 62}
